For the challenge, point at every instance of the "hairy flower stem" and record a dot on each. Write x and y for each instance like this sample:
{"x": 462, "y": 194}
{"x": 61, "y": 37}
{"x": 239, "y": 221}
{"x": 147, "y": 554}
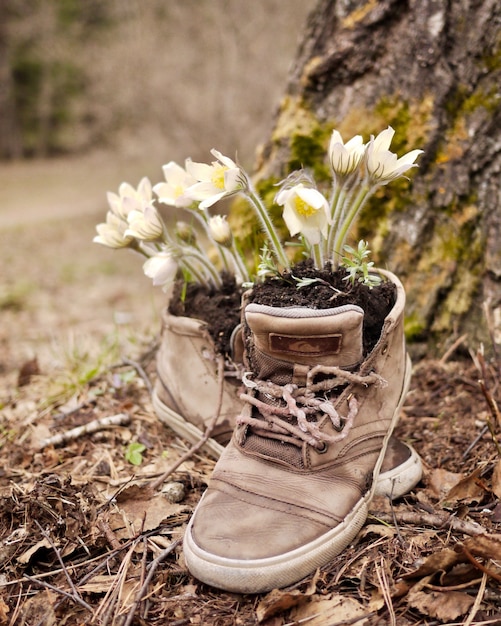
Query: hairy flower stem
{"x": 363, "y": 195}
{"x": 268, "y": 227}
{"x": 212, "y": 272}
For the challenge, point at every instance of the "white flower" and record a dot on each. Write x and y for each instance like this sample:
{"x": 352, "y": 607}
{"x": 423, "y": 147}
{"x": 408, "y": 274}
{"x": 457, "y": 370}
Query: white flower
{"x": 130, "y": 199}
{"x": 172, "y": 192}
{"x": 161, "y": 268}
{"x": 112, "y": 233}
{"x": 383, "y": 166}
{"x": 220, "y": 230}
{"x": 145, "y": 225}
{"x": 345, "y": 157}
{"x": 305, "y": 211}
{"x": 215, "y": 181}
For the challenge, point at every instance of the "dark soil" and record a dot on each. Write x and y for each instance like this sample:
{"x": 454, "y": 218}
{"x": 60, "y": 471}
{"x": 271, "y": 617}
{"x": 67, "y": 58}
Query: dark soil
{"x": 219, "y": 308}
{"x": 330, "y": 291}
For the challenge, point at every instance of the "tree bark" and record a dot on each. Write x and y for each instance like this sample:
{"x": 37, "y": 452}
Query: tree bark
{"x": 431, "y": 69}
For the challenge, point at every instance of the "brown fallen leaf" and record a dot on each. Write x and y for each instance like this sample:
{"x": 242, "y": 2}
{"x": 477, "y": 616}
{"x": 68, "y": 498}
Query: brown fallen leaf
{"x": 445, "y": 606}
{"x": 485, "y": 546}
{"x": 277, "y": 601}
{"x": 440, "y": 482}
{"x": 496, "y": 479}
{"x": 334, "y": 608}
{"x": 440, "y": 561}
{"x": 468, "y": 489}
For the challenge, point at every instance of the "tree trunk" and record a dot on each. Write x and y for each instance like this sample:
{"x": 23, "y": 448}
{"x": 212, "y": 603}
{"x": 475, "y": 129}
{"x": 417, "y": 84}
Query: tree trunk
{"x": 431, "y": 69}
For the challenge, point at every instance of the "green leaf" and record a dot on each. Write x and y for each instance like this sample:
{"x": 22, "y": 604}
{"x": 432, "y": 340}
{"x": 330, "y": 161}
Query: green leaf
{"x": 134, "y": 453}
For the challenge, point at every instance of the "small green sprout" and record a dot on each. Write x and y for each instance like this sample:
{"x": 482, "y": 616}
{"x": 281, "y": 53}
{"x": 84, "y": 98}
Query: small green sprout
{"x": 134, "y": 453}
{"x": 358, "y": 267}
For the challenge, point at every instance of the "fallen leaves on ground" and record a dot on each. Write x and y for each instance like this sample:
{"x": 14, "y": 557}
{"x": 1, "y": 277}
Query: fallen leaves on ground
{"x": 81, "y": 527}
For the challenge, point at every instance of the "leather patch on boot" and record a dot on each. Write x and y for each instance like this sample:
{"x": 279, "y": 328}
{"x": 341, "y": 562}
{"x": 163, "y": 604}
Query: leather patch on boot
{"x": 312, "y": 345}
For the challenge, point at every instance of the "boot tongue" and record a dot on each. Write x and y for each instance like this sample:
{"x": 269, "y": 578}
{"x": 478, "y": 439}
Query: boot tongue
{"x": 287, "y": 341}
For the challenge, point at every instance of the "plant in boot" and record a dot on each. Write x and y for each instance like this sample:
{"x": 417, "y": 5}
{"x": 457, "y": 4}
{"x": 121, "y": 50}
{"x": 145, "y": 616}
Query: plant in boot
{"x": 204, "y": 269}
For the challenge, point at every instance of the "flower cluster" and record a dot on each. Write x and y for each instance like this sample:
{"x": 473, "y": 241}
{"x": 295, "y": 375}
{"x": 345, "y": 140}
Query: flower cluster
{"x": 321, "y": 223}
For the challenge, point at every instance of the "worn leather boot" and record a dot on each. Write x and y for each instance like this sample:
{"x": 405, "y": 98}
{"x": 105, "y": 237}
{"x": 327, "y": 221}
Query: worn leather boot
{"x": 187, "y": 367}
{"x": 292, "y": 489}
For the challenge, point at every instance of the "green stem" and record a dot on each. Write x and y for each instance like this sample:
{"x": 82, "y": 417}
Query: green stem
{"x": 268, "y": 227}
{"x": 318, "y": 258}
{"x": 363, "y": 195}
{"x": 240, "y": 263}
{"x": 206, "y": 264}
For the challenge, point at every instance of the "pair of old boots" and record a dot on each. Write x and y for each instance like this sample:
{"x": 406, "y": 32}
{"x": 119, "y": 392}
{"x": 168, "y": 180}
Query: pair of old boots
{"x": 311, "y": 437}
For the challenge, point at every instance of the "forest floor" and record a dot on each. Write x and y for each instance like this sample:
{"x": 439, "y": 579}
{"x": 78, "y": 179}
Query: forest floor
{"x": 87, "y": 537}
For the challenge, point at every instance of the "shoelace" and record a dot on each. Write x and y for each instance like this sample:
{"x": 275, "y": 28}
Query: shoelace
{"x": 301, "y": 403}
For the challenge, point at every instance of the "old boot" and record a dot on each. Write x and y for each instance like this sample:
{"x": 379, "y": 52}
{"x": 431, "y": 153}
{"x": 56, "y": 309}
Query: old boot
{"x": 293, "y": 487}
{"x": 189, "y": 390}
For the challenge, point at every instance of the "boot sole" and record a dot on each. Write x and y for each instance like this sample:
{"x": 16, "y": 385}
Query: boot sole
{"x": 260, "y": 575}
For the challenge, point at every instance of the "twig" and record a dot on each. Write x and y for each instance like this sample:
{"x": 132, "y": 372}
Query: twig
{"x": 447, "y": 354}
{"x": 144, "y": 587}
{"x": 139, "y": 369}
{"x": 85, "y": 429}
{"x": 76, "y": 596}
{"x": 474, "y": 442}
{"x": 385, "y": 590}
{"x": 435, "y": 520}
{"x": 206, "y": 436}
{"x": 478, "y": 601}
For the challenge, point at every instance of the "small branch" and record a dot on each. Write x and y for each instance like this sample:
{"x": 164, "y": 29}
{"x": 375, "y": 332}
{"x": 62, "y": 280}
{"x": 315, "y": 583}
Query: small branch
{"x": 139, "y": 369}
{"x": 85, "y": 429}
{"x": 144, "y": 587}
{"x": 435, "y": 520}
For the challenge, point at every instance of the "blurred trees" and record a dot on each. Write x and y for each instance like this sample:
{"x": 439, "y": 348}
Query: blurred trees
{"x": 191, "y": 75}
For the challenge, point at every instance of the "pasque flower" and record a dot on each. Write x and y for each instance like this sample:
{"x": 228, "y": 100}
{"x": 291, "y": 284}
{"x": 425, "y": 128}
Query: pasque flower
{"x": 220, "y": 230}
{"x": 216, "y": 181}
{"x": 161, "y": 268}
{"x": 305, "y": 211}
{"x": 130, "y": 199}
{"x": 172, "y": 192}
{"x": 145, "y": 225}
{"x": 345, "y": 157}
{"x": 382, "y": 165}
{"x": 112, "y": 233}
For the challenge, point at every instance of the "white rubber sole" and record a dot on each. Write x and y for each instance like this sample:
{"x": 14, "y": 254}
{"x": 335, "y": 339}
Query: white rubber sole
{"x": 183, "y": 428}
{"x": 260, "y": 575}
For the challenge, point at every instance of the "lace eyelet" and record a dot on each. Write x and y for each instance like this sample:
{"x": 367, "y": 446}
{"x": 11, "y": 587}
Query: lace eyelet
{"x": 324, "y": 446}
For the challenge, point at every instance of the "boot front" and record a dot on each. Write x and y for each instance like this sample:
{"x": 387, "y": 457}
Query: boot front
{"x": 292, "y": 488}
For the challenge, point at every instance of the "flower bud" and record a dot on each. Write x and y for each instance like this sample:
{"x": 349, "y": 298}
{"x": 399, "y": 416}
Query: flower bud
{"x": 221, "y": 231}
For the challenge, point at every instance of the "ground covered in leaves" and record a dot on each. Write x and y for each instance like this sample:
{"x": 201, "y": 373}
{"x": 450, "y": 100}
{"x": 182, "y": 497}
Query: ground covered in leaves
{"x": 94, "y": 500}
{"x": 91, "y": 522}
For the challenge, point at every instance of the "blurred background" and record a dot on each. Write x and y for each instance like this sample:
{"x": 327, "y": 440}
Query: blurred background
{"x": 94, "y": 93}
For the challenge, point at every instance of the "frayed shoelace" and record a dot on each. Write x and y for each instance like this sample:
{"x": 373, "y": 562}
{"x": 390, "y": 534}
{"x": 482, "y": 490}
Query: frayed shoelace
{"x": 301, "y": 403}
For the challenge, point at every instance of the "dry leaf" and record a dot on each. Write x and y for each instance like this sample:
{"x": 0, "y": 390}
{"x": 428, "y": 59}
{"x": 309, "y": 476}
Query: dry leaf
{"x": 322, "y": 610}
{"x": 445, "y": 606}
{"x": 4, "y": 609}
{"x": 26, "y": 556}
{"x": 486, "y": 546}
{"x": 278, "y": 601}
{"x": 441, "y": 481}
{"x": 438, "y": 562}
{"x": 145, "y": 509}
{"x": 467, "y": 489}
{"x": 496, "y": 479}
